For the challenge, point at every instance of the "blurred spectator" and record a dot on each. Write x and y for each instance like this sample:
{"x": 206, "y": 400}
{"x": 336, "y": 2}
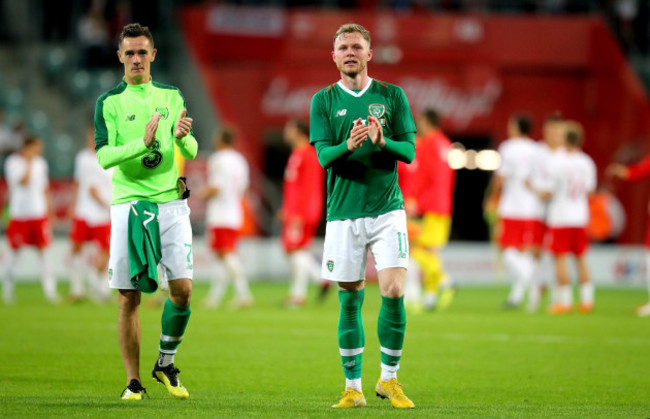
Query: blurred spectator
{"x": 92, "y": 32}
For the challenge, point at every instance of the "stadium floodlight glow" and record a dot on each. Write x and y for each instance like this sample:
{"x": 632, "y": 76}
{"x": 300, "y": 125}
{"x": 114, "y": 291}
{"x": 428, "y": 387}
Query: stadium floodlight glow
{"x": 470, "y": 160}
{"x": 456, "y": 158}
{"x": 489, "y": 160}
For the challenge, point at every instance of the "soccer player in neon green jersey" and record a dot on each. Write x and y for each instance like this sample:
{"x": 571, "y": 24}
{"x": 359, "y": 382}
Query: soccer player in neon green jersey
{"x": 137, "y": 124}
{"x": 361, "y": 127}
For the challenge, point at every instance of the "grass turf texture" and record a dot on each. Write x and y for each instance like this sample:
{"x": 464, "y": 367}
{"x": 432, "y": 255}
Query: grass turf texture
{"x": 473, "y": 360}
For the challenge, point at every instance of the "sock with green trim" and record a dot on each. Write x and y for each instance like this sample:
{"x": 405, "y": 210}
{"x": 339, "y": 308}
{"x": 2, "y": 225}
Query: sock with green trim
{"x": 351, "y": 336}
{"x": 174, "y": 320}
{"x": 390, "y": 328}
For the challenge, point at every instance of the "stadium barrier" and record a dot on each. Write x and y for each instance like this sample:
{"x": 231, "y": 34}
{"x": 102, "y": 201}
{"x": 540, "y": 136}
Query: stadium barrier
{"x": 467, "y": 263}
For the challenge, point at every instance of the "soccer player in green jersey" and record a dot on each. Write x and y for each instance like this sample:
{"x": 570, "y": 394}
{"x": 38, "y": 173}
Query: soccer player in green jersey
{"x": 360, "y": 128}
{"x": 137, "y": 124}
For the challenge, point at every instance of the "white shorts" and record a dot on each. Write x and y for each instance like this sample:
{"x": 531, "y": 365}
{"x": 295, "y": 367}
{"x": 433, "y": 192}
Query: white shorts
{"x": 347, "y": 243}
{"x": 175, "y": 239}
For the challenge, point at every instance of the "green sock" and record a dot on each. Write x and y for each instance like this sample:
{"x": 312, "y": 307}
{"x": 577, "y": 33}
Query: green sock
{"x": 350, "y": 331}
{"x": 390, "y": 328}
{"x": 174, "y": 320}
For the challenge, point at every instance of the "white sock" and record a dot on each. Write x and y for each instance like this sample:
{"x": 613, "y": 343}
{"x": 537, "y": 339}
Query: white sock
{"x": 535, "y": 288}
{"x": 520, "y": 268}
{"x": 353, "y": 384}
{"x": 299, "y": 274}
{"x": 413, "y": 285}
{"x": 587, "y": 293}
{"x": 311, "y": 265}
{"x": 218, "y": 283}
{"x": 388, "y": 372}
{"x": 165, "y": 359}
{"x": 237, "y": 274}
{"x": 76, "y": 275}
{"x": 8, "y": 280}
{"x": 565, "y": 295}
{"x": 48, "y": 280}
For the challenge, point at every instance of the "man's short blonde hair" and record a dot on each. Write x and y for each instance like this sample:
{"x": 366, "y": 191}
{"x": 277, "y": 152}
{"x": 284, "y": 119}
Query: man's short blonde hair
{"x": 352, "y": 28}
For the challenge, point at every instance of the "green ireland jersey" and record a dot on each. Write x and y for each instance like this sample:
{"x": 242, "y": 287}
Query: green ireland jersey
{"x": 362, "y": 183}
{"x": 121, "y": 115}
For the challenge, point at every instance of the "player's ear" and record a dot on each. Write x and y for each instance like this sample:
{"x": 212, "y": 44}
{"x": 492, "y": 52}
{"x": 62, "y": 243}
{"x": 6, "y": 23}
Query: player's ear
{"x": 153, "y": 54}
{"x": 369, "y": 54}
{"x": 333, "y": 58}
{"x": 119, "y": 56}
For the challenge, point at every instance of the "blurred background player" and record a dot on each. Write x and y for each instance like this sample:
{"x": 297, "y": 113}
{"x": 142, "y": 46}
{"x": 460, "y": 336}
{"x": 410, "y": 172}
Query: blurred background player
{"x": 91, "y": 222}
{"x": 519, "y": 208}
{"x": 302, "y": 209}
{"x": 571, "y": 179}
{"x": 638, "y": 171}
{"x": 30, "y": 210}
{"x": 228, "y": 179}
{"x": 553, "y": 132}
{"x": 428, "y": 193}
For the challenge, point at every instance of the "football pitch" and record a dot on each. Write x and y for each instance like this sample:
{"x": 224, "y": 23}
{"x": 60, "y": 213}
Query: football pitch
{"x": 472, "y": 360}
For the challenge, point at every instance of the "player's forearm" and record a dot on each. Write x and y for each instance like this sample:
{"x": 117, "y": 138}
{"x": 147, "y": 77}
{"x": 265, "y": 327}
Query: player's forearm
{"x": 187, "y": 146}
{"x": 402, "y": 150}
{"x": 111, "y": 156}
{"x": 330, "y": 154}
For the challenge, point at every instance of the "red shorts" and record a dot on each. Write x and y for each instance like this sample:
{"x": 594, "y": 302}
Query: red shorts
{"x": 297, "y": 235}
{"x": 223, "y": 239}
{"x": 29, "y": 233}
{"x": 81, "y": 232}
{"x": 647, "y": 237}
{"x": 568, "y": 240}
{"x": 537, "y": 232}
{"x": 520, "y": 233}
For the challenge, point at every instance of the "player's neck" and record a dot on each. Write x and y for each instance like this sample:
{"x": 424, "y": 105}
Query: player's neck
{"x": 137, "y": 80}
{"x": 357, "y": 82}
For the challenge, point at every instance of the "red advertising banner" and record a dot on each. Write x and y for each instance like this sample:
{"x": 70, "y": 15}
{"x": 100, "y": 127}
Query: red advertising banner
{"x": 476, "y": 70}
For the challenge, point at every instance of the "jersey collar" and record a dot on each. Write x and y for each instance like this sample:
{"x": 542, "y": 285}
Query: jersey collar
{"x": 351, "y": 92}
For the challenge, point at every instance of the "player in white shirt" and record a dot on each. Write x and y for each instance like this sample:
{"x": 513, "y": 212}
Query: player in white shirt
{"x": 554, "y": 132}
{"x": 571, "y": 179}
{"x": 29, "y": 210}
{"x": 91, "y": 222}
{"x": 520, "y": 210}
{"x": 228, "y": 179}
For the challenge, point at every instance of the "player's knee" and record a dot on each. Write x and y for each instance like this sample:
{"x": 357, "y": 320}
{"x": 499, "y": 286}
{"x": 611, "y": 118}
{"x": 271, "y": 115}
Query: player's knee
{"x": 180, "y": 292}
{"x": 394, "y": 289}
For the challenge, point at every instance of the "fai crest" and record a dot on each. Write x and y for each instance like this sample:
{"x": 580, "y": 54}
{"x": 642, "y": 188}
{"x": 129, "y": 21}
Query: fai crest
{"x": 377, "y": 110}
{"x": 163, "y": 111}
{"x": 330, "y": 265}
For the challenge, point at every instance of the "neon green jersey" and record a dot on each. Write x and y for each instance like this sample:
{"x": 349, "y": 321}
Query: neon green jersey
{"x": 362, "y": 183}
{"x": 121, "y": 115}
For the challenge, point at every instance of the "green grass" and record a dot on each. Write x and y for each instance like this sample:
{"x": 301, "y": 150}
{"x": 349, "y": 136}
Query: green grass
{"x": 473, "y": 360}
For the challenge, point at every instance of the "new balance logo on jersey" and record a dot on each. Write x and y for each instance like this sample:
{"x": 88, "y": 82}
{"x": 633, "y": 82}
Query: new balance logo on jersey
{"x": 130, "y": 118}
{"x": 341, "y": 112}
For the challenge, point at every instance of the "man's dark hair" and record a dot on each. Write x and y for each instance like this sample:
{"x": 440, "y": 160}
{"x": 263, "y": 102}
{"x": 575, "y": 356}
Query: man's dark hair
{"x": 574, "y": 134}
{"x": 433, "y": 117}
{"x": 133, "y": 30}
{"x": 227, "y": 135}
{"x": 30, "y": 139}
{"x": 302, "y": 127}
{"x": 523, "y": 122}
